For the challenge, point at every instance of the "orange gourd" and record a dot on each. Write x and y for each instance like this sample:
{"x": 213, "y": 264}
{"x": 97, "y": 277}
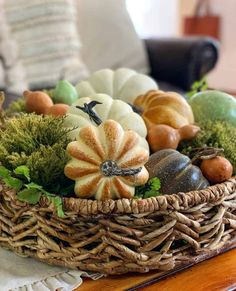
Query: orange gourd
{"x": 217, "y": 169}
{"x": 37, "y": 101}
{"x": 58, "y": 109}
{"x": 163, "y": 136}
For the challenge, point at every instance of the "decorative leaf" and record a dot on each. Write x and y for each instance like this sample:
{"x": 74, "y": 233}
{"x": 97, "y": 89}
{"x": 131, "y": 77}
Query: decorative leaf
{"x": 155, "y": 184}
{"x": 31, "y": 196}
{"x": 33, "y": 185}
{"x": 57, "y": 201}
{"x": 24, "y": 171}
{"x": 198, "y": 86}
{"x": 151, "y": 189}
{"x": 4, "y": 172}
{"x": 32, "y": 191}
{"x": 13, "y": 182}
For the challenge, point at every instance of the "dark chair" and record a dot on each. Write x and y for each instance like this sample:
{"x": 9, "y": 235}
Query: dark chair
{"x": 176, "y": 63}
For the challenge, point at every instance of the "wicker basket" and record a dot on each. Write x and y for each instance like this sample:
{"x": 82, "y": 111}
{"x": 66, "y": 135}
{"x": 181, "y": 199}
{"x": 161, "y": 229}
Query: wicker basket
{"x": 121, "y": 236}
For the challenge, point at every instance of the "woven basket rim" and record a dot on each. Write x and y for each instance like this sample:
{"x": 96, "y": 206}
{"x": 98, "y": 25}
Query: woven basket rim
{"x": 123, "y": 235}
{"x": 170, "y": 202}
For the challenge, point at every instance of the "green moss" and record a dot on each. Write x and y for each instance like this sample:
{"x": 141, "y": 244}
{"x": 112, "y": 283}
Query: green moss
{"x": 219, "y": 134}
{"x": 39, "y": 143}
{"x": 17, "y": 106}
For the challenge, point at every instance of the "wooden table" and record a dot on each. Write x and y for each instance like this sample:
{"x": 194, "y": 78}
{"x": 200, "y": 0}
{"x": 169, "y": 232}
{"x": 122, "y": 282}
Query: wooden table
{"x": 215, "y": 274}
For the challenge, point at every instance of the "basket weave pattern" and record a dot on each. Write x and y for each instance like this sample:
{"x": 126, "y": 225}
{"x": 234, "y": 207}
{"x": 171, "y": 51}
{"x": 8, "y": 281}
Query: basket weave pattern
{"x": 121, "y": 236}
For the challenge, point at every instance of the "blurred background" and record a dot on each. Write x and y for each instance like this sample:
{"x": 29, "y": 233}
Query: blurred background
{"x": 176, "y": 42}
{"x": 166, "y": 18}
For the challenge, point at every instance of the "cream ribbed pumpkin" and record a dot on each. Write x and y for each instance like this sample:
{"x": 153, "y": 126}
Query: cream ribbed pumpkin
{"x": 109, "y": 109}
{"x": 124, "y": 84}
{"x": 107, "y": 162}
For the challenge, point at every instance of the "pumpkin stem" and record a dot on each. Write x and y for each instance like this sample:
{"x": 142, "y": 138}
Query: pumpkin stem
{"x": 110, "y": 168}
{"x": 206, "y": 153}
{"x": 88, "y": 108}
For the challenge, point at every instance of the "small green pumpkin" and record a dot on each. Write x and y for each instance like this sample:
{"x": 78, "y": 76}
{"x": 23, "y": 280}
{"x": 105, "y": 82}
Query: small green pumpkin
{"x": 213, "y": 105}
{"x": 64, "y": 93}
{"x": 175, "y": 171}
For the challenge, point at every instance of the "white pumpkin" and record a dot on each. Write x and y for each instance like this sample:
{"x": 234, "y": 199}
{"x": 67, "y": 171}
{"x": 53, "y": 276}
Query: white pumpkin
{"x": 106, "y": 162}
{"x": 124, "y": 84}
{"x": 109, "y": 109}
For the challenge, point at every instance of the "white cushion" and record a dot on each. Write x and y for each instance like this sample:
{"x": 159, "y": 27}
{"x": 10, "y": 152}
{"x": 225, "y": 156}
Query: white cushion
{"x": 47, "y": 38}
{"x": 2, "y": 77}
{"x": 108, "y": 36}
{"x": 12, "y": 77}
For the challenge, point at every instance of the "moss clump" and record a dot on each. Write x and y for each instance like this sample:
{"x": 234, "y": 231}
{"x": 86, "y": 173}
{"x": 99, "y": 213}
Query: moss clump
{"x": 17, "y": 106}
{"x": 219, "y": 134}
{"x": 39, "y": 143}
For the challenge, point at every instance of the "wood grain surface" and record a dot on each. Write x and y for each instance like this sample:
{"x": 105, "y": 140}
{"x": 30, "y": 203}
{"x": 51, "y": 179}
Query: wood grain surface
{"x": 215, "y": 274}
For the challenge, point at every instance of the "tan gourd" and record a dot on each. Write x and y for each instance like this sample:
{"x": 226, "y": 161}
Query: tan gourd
{"x": 107, "y": 162}
{"x": 159, "y": 107}
{"x": 163, "y": 136}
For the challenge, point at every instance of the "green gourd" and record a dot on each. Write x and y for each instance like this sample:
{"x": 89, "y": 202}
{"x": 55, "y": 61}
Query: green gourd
{"x": 213, "y": 105}
{"x": 65, "y": 93}
{"x": 175, "y": 171}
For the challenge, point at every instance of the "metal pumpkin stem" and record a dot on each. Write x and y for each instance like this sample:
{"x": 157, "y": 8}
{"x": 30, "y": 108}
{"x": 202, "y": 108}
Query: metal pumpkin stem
{"x": 110, "y": 168}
